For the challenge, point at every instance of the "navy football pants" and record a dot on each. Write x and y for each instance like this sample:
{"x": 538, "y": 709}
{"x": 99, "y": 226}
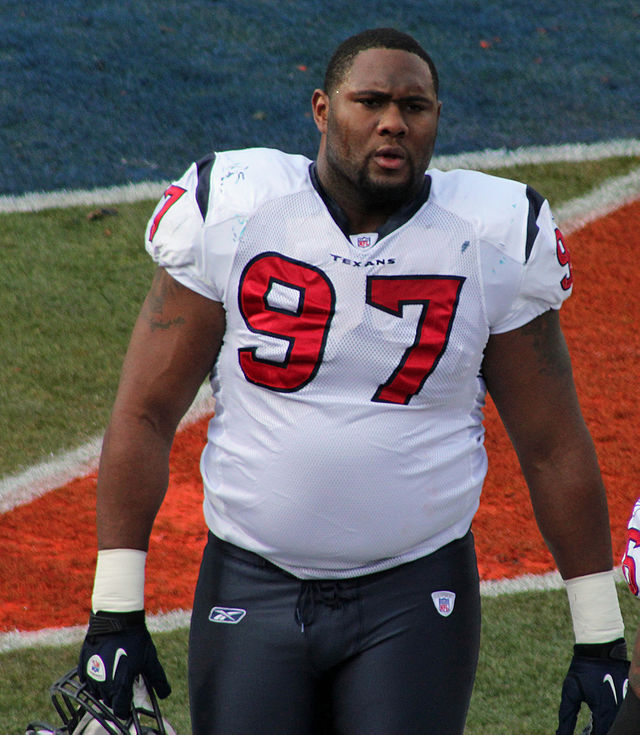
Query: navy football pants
{"x": 381, "y": 654}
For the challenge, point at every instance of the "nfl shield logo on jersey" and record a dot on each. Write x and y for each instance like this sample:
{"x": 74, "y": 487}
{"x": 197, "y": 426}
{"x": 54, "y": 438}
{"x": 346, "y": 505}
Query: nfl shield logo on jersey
{"x": 444, "y": 602}
{"x": 364, "y": 240}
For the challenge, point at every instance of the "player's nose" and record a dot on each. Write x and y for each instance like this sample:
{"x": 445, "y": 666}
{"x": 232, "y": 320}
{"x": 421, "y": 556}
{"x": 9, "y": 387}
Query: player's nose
{"x": 392, "y": 121}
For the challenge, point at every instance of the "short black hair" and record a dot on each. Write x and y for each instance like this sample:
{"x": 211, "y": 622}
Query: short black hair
{"x": 389, "y": 38}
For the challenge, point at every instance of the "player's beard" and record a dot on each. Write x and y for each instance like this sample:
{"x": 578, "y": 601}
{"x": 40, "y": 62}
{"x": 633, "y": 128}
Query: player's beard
{"x": 386, "y": 195}
{"x": 356, "y": 183}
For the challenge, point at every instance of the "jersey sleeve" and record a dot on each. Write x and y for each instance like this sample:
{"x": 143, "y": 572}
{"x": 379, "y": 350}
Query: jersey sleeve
{"x": 543, "y": 279}
{"x": 174, "y": 237}
{"x": 195, "y": 229}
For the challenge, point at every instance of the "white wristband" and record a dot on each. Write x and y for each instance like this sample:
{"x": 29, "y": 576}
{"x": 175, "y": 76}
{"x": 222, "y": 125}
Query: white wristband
{"x": 595, "y": 611}
{"x": 119, "y": 580}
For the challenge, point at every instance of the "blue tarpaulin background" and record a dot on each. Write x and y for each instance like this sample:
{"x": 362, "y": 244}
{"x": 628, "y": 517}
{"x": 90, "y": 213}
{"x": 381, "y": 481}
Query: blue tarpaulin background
{"x": 109, "y": 92}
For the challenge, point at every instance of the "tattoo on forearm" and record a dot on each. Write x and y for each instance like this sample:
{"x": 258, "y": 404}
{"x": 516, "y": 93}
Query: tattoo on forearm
{"x": 161, "y": 288}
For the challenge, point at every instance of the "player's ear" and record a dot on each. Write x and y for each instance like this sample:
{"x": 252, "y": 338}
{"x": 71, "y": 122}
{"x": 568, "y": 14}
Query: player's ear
{"x": 320, "y": 107}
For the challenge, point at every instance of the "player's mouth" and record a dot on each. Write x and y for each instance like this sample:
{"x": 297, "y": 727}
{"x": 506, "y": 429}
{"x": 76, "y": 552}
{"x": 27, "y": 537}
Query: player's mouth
{"x": 390, "y": 157}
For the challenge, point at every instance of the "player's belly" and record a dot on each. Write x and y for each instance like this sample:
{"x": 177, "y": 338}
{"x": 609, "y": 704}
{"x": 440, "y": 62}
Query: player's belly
{"x": 343, "y": 500}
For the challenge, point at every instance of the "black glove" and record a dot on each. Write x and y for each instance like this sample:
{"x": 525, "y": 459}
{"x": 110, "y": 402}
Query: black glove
{"x": 116, "y": 650}
{"x": 597, "y": 676}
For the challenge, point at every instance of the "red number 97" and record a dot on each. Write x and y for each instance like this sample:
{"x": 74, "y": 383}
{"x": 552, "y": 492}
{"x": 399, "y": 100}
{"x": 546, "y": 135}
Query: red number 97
{"x": 304, "y": 324}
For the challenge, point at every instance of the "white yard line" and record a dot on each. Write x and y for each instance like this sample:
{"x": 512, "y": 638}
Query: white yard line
{"x": 36, "y": 201}
{"x": 567, "y": 152}
{"x": 16, "y": 639}
{"x": 611, "y": 195}
{"x": 62, "y": 468}
{"x": 529, "y": 583}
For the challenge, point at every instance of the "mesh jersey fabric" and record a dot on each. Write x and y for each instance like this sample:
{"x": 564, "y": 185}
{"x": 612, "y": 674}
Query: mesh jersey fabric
{"x": 348, "y": 431}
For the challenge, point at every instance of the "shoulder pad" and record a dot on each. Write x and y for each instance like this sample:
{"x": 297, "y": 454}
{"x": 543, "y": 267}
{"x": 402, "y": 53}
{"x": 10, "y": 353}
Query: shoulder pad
{"x": 500, "y": 210}
{"x": 243, "y": 180}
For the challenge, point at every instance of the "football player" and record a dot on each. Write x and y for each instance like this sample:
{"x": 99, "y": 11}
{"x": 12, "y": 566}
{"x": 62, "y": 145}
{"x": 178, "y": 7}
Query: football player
{"x": 351, "y": 313}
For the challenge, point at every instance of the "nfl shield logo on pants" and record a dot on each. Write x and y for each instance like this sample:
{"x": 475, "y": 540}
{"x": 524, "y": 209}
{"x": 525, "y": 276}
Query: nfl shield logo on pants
{"x": 444, "y": 602}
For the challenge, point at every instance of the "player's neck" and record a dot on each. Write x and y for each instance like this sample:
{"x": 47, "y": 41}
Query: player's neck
{"x": 360, "y": 215}
{"x": 354, "y": 214}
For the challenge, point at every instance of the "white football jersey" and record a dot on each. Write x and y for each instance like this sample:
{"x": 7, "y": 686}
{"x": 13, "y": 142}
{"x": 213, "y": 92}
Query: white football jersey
{"x": 348, "y": 431}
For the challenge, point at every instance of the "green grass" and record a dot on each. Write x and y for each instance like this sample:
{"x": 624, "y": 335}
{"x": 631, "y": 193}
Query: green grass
{"x": 560, "y": 182}
{"x": 70, "y": 288}
{"x": 526, "y": 648}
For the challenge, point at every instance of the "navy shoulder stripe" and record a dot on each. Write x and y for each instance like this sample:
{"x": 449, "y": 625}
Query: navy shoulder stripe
{"x": 535, "y": 204}
{"x": 204, "y": 183}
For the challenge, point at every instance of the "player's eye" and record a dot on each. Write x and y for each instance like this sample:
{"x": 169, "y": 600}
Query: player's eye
{"x": 416, "y": 106}
{"x": 370, "y": 102}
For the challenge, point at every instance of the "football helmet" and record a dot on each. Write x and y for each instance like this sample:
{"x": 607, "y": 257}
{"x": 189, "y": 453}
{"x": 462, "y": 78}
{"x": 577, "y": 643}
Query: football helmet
{"x": 83, "y": 714}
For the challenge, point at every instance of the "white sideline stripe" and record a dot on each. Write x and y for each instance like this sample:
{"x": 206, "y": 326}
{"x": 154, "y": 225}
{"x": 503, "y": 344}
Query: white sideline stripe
{"x": 531, "y": 583}
{"x": 179, "y": 619}
{"x": 36, "y": 201}
{"x": 53, "y": 473}
{"x": 16, "y": 639}
{"x": 48, "y": 475}
{"x": 564, "y": 153}
{"x": 490, "y": 158}
{"x": 613, "y": 194}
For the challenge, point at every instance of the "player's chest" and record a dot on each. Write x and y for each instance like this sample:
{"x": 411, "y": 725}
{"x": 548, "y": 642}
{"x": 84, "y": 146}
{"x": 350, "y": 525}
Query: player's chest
{"x": 396, "y": 308}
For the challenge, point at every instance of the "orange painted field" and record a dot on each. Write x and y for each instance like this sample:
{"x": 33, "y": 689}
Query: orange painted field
{"x": 47, "y": 545}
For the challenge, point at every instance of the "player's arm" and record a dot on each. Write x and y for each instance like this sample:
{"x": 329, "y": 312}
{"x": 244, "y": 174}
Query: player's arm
{"x": 173, "y": 347}
{"x": 529, "y": 376}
